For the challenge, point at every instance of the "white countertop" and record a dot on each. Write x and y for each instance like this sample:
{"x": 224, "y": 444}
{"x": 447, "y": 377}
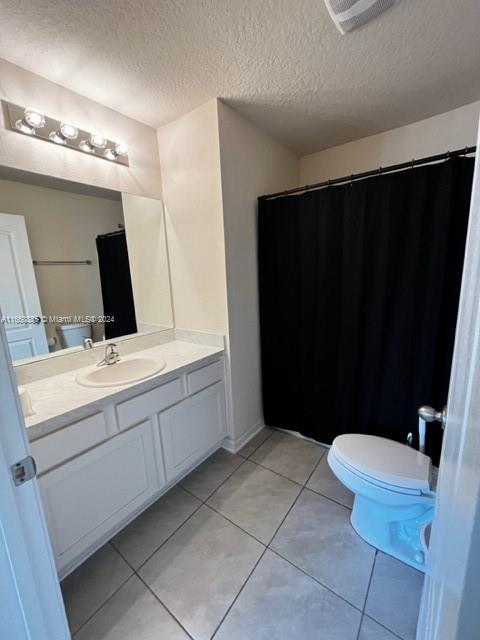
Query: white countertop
{"x": 60, "y": 400}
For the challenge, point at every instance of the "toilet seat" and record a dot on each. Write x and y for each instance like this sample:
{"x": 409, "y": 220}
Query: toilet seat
{"x": 384, "y": 463}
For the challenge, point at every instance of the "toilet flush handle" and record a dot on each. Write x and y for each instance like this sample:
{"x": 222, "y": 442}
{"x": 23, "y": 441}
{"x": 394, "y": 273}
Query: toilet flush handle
{"x": 429, "y": 414}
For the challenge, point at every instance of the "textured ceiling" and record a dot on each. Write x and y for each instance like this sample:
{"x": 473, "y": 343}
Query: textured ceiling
{"x": 282, "y": 63}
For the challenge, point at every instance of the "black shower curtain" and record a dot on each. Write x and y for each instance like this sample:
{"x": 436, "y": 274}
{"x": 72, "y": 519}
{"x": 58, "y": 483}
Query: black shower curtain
{"x": 359, "y": 288}
{"x": 116, "y": 284}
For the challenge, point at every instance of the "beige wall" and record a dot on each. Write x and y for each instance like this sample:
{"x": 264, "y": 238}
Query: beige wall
{"x": 22, "y": 152}
{"x": 190, "y": 161}
{"x": 148, "y": 258}
{"x": 63, "y": 226}
{"x": 447, "y": 131}
{"x": 252, "y": 163}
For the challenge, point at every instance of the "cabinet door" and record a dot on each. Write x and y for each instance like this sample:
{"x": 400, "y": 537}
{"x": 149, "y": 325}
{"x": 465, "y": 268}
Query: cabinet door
{"x": 192, "y": 428}
{"x": 86, "y": 498}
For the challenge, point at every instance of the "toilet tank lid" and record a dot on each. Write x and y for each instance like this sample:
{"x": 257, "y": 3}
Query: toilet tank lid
{"x": 385, "y": 460}
{"x": 72, "y": 325}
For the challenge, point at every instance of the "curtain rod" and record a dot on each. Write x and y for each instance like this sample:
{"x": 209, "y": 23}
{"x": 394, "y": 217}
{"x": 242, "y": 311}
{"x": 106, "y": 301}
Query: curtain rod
{"x": 374, "y": 172}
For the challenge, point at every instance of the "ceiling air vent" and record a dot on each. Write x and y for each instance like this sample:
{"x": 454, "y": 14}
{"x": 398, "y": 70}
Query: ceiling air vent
{"x": 351, "y": 14}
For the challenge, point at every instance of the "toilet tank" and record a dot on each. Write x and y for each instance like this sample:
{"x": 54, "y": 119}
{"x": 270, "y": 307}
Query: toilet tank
{"x": 73, "y": 335}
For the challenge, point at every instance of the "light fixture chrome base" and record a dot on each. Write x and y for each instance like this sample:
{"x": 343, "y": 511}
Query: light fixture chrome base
{"x": 50, "y": 132}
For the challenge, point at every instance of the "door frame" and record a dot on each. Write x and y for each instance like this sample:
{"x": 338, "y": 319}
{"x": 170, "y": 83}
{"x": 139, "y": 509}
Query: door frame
{"x": 28, "y": 575}
{"x": 449, "y": 608}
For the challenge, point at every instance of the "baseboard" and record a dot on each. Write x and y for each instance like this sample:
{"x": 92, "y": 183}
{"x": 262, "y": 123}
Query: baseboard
{"x": 234, "y": 446}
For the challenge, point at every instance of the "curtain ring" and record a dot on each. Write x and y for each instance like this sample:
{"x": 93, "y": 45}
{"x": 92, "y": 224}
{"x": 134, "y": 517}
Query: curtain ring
{"x": 351, "y": 180}
{"x": 448, "y": 155}
{"x": 380, "y": 169}
{"x": 413, "y": 163}
{"x": 465, "y": 151}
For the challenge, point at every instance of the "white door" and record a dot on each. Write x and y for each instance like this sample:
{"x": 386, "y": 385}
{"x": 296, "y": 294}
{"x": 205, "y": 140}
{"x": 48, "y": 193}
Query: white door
{"x": 18, "y": 290}
{"x": 31, "y": 606}
{"x": 450, "y": 605}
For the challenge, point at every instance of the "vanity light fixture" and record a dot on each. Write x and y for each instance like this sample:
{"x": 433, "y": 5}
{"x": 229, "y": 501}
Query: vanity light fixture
{"x": 34, "y": 118}
{"x": 121, "y": 149}
{"x": 29, "y": 122}
{"x": 57, "y": 137}
{"x": 98, "y": 141}
{"x": 86, "y": 146}
{"x": 23, "y": 127}
{"x": 68, "y": 131}
{"x": 61, "y": 132}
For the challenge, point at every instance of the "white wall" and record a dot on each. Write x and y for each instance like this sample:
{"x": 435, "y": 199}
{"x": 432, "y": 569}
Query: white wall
{"x": 148, "y": 258}
{"x": 190, "y": 161}
{"x": 252, "y": 163}
{"x": 447, "y": 131}
{"x": 22, "y": 152}
{"x": 63, "y": 226}
{"x": 214, "y": 166}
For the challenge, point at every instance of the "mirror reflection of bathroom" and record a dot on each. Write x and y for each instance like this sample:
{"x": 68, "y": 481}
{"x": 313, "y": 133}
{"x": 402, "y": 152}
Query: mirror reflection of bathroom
{"x": 76, "y": 257}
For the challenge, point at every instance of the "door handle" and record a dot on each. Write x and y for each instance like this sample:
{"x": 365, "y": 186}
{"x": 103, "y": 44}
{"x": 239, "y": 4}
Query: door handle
{"x": 429, "y": 414}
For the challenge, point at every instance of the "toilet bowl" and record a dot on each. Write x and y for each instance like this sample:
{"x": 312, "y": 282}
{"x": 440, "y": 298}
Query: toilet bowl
{"x": 394, "y": 499}
{"x": 73, "y": 334}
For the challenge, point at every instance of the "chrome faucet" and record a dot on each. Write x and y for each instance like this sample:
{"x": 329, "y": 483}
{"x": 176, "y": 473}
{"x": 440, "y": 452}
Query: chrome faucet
{"x": 87, "y": 343}
{"x": 111, "y": 356}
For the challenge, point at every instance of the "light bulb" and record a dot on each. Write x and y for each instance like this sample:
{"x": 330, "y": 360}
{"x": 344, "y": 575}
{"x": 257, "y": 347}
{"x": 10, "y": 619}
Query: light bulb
{"x": 110, "y": 154}
{"x": 34, "y": 118}
{"x": 57, "y": 137}
{"x": 22, "y": 126}
{"x": 98, "y": 141}
{"x": 85, "y": 146}
{"x": 68, "y": 130}
{"x": 121, "y": 149}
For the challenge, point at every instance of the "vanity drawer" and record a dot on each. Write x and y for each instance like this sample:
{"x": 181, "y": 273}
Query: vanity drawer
{"x": 137, "y": 409}
{"x": 69, "y": 442}
{"x": 205, "y": 376}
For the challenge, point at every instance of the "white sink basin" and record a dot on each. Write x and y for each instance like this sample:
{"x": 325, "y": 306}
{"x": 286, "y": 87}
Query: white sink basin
{"x": 126, "y": 371}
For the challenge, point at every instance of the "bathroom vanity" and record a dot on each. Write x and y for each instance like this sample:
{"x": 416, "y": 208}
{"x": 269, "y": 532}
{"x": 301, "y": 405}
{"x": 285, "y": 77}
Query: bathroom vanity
{"x": 105, "y": 453}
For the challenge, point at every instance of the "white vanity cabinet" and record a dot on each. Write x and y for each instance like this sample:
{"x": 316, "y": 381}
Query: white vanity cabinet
{"x": 191, "y": 428}
{"x": 87, "y": 497}
{"x": 99, "y": 472}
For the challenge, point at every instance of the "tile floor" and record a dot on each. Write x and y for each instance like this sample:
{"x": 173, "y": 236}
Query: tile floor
{"x": 253, "y": 546}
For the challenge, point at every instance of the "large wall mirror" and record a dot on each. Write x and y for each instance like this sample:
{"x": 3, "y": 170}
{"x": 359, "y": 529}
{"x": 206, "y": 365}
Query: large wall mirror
{"x": 78, "y": 264}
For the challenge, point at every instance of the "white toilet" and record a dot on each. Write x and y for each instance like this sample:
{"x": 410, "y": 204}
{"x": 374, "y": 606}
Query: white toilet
{"x": 394, "y": 493}
{"x": 73, "y": 334}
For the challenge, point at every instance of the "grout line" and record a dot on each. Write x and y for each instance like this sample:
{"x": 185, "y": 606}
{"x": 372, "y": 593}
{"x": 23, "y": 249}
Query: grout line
{"x": 216, "y": 488}
{"x": 256, "y": 564}
{"x": 164, "y": 605}
{"x": 264, "y": 544}
{"x": 394, "y": 634}
{"x": 314, "y": 468}
{"x": 161, "y": 545}
{"x": 224, "y": 481}
{"x": 357, "y": 637}
{"x": 277, "y": 553}
{"x": 74, "y": 633}
{"x": 285, "y": 517}
{"x": 322, "y": 495}
{"x": 202, "y": 502}
{"x": 238, "y": 594}
{"x": 370, "y": 579}
{"x": 137, "y": 575}
{"x": 257, "y": 447}
{"x": 259, "y": 464}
